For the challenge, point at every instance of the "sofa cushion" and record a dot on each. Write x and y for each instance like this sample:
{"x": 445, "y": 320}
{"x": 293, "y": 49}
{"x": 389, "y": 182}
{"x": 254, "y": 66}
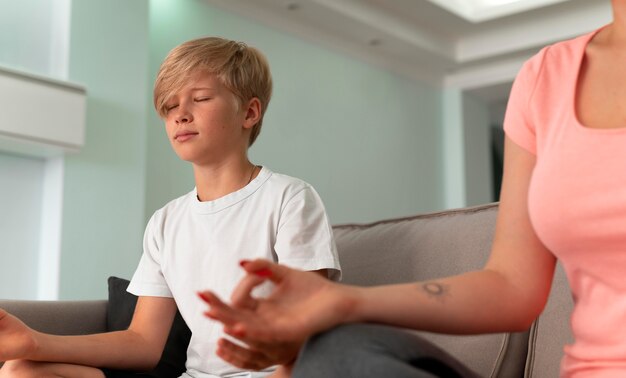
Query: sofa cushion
{"x": 121, "y": 305}
{"x": 120, "y": 309}
{"x": 430, "y": 246}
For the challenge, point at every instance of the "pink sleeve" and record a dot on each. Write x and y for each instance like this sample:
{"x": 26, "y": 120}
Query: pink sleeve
{"x": 518, "y": 120}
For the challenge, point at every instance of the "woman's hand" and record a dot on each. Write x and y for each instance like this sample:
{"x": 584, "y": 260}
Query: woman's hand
{"x": 17, "y": 340}
{"x": 273, "y": 328}
{"x": 258, "y": 355}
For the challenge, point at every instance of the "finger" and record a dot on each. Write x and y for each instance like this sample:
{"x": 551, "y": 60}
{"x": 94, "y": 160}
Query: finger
{"x": 241, "y": 356}
{"x": 266, "y": 268}
{"x": 250, "y": 332}
{"x": 239, "y": 332}
{"x": 210, "y": 298}
{"x": 242, "y": 295}
{"x": 218, "y": 310}
{"x": 252, "y": 343}
{"x": 272, "y": 354}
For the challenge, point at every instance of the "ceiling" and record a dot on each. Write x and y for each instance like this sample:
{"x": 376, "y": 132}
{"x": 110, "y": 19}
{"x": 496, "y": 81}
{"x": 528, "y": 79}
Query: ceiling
{"x": 475, "y": 45}
{"x": 483, "y": 10}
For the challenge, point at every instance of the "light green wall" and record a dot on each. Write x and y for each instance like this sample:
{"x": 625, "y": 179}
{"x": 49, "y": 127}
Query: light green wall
{"x": 368, "y": 140}
{"x": 103, "y": 212}
{"x": 465, "y": 149}
{"x": 21, "y": 183}
{"x": 452, "y": 150}
{"x": 372, "y": 143}
{"x": 28, "y": 34}
{"x": 478, "y": 178}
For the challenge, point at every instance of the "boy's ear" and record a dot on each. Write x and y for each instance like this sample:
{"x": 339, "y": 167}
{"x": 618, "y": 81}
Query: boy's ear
{"x": 253, "y": 113}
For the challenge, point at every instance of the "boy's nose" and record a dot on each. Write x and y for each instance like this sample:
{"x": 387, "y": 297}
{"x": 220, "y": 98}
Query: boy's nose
{"x": 184, "y": 117}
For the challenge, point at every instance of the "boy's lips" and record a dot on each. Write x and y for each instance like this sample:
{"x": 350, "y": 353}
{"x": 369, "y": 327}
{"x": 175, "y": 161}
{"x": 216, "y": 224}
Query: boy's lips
{"x": 182, "y": 136}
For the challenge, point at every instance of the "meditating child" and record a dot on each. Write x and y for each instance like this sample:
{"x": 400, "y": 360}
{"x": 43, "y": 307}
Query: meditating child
{"x": 212, "y": 94}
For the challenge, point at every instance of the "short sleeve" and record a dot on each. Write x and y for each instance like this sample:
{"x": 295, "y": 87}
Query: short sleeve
{"x": 305, "y": 238}
{"x": 148, "y": 279}
{"x": 518, "y": 120}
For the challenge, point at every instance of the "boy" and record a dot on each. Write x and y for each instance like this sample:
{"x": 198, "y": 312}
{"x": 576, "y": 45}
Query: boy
{"x": 212, "y": 94}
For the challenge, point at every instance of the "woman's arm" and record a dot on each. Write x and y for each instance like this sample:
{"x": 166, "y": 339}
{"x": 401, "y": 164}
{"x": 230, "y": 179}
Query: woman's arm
{"x": 138, "y": 348}
{"x": 507, "y": 295}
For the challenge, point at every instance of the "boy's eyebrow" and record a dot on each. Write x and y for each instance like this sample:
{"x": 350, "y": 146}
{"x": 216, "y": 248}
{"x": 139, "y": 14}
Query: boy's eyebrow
{"x": 202, "y": 88}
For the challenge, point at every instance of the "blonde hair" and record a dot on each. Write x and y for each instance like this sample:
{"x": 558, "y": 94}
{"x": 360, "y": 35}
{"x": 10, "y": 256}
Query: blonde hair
{"x": 241, "y": 68}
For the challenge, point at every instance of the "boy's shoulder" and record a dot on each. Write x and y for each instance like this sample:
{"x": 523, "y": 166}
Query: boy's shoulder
{"x": 285, "y": 183}
{"x": 176, "y": 204}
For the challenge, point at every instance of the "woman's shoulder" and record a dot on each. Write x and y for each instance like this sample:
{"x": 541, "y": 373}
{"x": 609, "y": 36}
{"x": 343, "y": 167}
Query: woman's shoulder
{"x": 553, "y": 66}
{"x": 562, "y": 55}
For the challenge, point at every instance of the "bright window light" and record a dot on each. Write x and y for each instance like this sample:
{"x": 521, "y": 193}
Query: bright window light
{"x": 483, "y": 10}
{"x": 491, "y": 3}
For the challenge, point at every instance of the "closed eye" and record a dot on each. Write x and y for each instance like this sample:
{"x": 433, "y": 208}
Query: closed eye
{"x": 200, "y": 99}
{"x": 171, "y": 107}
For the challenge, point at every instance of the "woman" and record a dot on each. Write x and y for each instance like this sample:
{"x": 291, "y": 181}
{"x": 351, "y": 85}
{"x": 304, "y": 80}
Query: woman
{"x": 563, "y": 196}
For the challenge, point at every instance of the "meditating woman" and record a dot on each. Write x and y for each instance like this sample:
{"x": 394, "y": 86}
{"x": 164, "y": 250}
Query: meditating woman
{"x": 563, "y": 197}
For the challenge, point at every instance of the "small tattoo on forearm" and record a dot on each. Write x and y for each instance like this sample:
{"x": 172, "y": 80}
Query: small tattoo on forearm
{"x": 436, "y": 290}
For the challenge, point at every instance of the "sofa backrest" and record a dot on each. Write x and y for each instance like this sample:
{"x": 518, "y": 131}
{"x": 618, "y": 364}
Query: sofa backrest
{"x": 60, "y": 317}
{"x": 429, "y": 246}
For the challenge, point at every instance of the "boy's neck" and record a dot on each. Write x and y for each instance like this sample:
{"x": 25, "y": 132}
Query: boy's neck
{"x": 213, "y": 182}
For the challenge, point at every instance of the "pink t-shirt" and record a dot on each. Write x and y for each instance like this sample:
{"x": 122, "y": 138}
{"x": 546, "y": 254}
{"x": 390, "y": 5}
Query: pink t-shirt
{"x": 577, "y": 203}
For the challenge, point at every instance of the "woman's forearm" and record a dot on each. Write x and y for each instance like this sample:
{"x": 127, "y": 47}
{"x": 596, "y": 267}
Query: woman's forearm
{"x": 475, "y": 302}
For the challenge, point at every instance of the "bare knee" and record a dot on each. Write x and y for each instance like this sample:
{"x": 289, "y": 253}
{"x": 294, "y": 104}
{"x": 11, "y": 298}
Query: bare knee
{"x": 18, "y": 369}
{"x": 33, "y": 369}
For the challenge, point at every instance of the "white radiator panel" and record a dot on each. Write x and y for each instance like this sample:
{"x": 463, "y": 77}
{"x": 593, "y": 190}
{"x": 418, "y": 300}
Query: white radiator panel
{"x": 40, "y": 116}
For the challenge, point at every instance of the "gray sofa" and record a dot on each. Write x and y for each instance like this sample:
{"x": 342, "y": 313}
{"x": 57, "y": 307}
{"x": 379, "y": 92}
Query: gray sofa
{"x": 398, "y": 250}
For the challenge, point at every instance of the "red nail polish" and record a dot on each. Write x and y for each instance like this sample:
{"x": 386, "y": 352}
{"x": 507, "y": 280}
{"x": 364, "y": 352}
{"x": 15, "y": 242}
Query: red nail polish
{"x": 235, "y": 332}
{"x": 243, "y": 263}
{"x": 203, "y": 296}
{"x": 263, "y": 273}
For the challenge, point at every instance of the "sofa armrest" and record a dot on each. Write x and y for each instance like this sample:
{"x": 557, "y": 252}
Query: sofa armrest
{"x": 60, "y": 317}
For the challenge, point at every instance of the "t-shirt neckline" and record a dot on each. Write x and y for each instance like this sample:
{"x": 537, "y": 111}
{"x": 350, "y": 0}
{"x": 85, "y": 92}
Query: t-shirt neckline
{"x": 577, "y": 73}
{"x": 210, "y": 207}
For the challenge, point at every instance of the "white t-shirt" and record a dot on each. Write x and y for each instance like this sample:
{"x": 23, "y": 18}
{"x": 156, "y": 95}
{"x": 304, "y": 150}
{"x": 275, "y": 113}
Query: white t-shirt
{"x": 190, "y": 246}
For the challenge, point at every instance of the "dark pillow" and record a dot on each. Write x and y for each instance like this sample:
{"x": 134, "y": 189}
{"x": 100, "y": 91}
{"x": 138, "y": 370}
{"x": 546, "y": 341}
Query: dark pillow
{"x": 120, "y": 311}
